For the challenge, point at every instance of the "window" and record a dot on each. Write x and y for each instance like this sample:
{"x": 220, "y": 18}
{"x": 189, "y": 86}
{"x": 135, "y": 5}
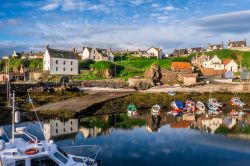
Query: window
{"x": 64, "y": 69}
{"x": 71, "y": 129}
{"x": 71, "y": 69}
{"x": 43, "y": 161}
{"x": 20, "y": 163}
{"x": 56, "y": 130}
{"x": 56, "y": 61}
{"x": 64, "y": 62}
{"x": 71, "y": 62}
{"x": 64, "y": 153}
{"x": 60, "y": 158}
{"x": 94, "y": 57}
{"x": 56, "y": 68}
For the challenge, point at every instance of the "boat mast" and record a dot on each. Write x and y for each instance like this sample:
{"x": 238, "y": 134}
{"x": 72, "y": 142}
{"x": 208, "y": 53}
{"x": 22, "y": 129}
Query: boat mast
{"x": 8, "y": 82}
{"x": 13, "y": 117}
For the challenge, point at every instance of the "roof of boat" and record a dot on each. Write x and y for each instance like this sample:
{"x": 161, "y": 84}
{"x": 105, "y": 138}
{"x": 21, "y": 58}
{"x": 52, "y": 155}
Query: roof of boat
{"x": 17, "y": 150}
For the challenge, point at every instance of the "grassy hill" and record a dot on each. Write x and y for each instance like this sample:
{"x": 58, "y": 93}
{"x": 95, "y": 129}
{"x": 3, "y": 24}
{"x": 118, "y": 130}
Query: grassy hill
{"x": 129, "y": 66}
{"x": 240, "y": 57}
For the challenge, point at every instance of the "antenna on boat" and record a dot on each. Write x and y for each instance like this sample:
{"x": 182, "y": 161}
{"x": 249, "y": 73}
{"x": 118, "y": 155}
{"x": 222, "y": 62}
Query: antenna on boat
{"x": 33, "y": 107}
{"x": 13, "y": 117}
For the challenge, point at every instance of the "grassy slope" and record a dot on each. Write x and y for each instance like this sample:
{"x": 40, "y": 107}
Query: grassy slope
{"x": 238, "y": 56}
{"x": 136, "y": 66}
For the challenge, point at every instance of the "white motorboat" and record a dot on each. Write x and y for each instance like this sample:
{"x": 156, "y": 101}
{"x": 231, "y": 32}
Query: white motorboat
{"x": 18, "y": 152}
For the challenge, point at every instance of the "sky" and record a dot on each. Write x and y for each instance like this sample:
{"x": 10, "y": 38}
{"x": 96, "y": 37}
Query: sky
{"x": 28, "y": 25}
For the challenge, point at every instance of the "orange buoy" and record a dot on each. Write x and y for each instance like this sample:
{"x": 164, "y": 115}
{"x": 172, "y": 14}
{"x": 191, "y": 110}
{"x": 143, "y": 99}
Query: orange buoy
{"x": 31, "y": 151}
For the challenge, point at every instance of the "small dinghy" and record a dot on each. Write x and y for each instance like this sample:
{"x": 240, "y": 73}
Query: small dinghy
{"x": 132, "y": 110}
{"x": 177, "y": 108}
{"x": 156, "y": 110}
{"x": 171, "y": 93}
{"x": 237, "y": 102}
{"x": 190, "y": 106}
{"x": 201, "y": 108}
{"x": 214, "y": 102}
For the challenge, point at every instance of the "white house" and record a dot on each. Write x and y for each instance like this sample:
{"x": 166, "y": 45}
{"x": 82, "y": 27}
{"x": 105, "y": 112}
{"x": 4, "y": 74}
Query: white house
{"x": 60, "y": 62}
{"x": 97, "y": 54}
{"x": 213, "y": 47}
{"x": 230, "y": 65}
{"x": 213, "y": 63}
{"x": 16, "y": 55}
{"x": 154, "y": 52}
{"x": 55, "y": 128}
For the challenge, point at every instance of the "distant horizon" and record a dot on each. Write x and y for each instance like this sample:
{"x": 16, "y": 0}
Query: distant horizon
{"x": 27, "y": 25}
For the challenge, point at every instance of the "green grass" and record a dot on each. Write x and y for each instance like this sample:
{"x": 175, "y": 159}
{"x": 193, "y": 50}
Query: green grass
{"x": 240, "y": 57}
{"x": 136, "y": 66}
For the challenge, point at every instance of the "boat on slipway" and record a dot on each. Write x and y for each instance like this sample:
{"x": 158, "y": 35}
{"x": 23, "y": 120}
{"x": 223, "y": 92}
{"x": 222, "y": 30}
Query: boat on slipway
{"x": 19, "y": 152}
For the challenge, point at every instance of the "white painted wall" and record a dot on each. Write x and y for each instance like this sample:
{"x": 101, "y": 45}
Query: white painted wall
{"x": 152, "y": 52}
{"x": 232, "y": 66}
{"x": 85, "y": 54}
{"x": 60, "y": 66}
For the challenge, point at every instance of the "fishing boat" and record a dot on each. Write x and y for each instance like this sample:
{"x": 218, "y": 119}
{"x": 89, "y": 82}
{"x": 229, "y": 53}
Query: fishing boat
{"x": 132, "y": 110}
{"x": 235, "y": 113}
{"x": 237, "y": 102}
{"x": 156, "y": 110}
{"x": 18, "y": 152}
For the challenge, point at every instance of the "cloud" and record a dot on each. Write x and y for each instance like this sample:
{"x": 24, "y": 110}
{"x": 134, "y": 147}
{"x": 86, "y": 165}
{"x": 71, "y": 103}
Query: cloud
{"x": 155, "y": 5}
{"x": 50, "y": 6}
{"x": 169, "y": 8}
{"x": 233, "y": 22}
{"x": 137, "y": 2}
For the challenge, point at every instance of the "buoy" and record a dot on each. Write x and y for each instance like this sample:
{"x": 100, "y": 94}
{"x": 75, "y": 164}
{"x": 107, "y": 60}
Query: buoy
{"x": 31, "y": 151}
{"x": 17, "y": 117}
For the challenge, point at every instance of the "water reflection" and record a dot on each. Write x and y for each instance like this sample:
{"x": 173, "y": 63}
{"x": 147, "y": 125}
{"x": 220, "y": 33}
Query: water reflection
{"x": 154, "y": 140}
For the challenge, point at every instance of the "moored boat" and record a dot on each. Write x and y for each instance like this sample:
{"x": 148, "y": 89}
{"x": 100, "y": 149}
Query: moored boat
{"x": 18, "y": 152}
{"x": 156, "y": 110}
{"x": 132, "y": 110}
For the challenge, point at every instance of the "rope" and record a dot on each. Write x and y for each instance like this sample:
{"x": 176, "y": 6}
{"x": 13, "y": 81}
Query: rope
{"x": 39, "y": 122}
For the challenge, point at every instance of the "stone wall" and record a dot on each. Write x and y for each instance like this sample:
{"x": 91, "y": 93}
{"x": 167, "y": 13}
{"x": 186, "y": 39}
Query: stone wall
{"x": 247, "y": 48}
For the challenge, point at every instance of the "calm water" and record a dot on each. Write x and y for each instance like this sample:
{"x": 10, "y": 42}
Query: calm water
{"x": 148, "y": 141}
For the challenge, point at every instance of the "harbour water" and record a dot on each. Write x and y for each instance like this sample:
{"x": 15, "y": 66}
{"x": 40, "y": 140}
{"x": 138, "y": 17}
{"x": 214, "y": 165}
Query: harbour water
{"x": 146, "y": 140}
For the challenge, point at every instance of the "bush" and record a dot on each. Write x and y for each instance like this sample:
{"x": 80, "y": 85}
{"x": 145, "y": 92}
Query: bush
{"x": 86, "y": 63}
{"x": 101, "y": 65}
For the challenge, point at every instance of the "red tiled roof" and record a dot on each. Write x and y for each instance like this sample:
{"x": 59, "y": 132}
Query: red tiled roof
{"x": 227, "y": 61}
{"x": 211, "y": 72}
{"x": 181, "y": 65}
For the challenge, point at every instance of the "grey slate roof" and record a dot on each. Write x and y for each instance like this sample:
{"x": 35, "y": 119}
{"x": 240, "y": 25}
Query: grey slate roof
{"x": 55, "y": 53}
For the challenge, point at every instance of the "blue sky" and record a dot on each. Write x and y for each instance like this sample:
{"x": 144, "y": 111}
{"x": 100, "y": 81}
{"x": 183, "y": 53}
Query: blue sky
{"x": 121, "y": 24}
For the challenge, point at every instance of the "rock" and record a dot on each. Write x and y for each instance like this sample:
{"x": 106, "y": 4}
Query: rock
{"x": 140, "y": 83}
{"x": 153, "y": 73}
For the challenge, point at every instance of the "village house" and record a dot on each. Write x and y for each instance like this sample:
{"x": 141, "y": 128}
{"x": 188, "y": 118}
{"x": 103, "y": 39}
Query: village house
{"x": 199, "y": 60}
{"x": 214, "y": 47}
{"x": 60, "y": 62}
{"x": 237, "y": 44}
{"x": 196, "y": 50}
{"x": 16, "y": 55}
{"x": 230, "y": 65}
{"x": 213, "y": 63}
{"x": 183, "y": 67}
{"x": 154, "y": 52}
{"x": 97, "y": 54}
{"x": 180, "y": 52}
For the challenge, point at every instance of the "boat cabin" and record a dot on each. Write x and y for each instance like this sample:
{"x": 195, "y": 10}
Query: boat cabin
{"x": 44, "y": 153}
